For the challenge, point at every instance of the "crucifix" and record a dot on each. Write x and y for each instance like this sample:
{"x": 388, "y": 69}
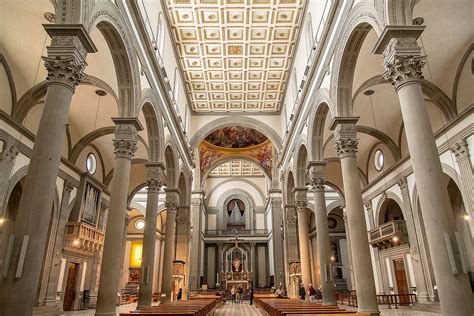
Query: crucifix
{"x": 236, "y": 240}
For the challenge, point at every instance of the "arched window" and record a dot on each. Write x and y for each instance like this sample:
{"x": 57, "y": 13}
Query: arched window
{"x": 91, "y": 163}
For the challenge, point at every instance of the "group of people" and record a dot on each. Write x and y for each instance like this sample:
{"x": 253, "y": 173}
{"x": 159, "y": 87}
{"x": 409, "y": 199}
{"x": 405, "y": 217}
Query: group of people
{"x": 312, "y": 293}
{"x": 238, "y": 295}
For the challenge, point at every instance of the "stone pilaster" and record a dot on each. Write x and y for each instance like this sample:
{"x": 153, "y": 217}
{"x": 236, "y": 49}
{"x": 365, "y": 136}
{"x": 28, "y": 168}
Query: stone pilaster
{"x": 125, "y": 146}
{"x": 318, "y": 180}
{"x": 53, "y": 279}
{"x": 403, "y": 64}
{"x": 350, "y": 268}
{"x": 461, "y": 152}
{"x": 65, "y": 64}
{"x": 171, "y": 204}
{"x": 7, "y": 161}
{"x": 345, "y": 137}
{"x": 196, "y": 242}
{"x": 416, "y": 246}
{"x": 277, "y": 235}
{"x": 154, "y": 184}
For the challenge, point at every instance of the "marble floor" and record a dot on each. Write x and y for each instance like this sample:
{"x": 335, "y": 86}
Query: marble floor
{"x": 246, "y": 309}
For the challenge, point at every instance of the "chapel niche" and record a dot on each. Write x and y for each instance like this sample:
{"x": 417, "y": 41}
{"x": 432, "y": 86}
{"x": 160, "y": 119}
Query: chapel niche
{"x": 235, "y": 214}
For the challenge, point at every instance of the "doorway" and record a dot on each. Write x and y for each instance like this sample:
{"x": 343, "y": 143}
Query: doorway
{"x": 401, "y": 279}
{"x": 70, "y": 293}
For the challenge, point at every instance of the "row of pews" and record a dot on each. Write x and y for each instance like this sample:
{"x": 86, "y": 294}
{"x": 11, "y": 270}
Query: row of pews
{"x": 195, "y": 306}
{"x": 272, "y": 306}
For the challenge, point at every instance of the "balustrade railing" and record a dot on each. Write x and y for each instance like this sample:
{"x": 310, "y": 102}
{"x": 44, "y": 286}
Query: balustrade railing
{"x": 83, "y": 238}
{"x": 241, "y": 232}
{"x": 389, "y": 234}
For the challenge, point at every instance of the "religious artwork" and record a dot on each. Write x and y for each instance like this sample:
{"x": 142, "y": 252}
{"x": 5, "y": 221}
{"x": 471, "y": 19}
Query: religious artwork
{"x": 235, "y": 137}
{"x": 207, "y": 156}
{"x": 236, "y": 265}
{"x": 261, "y": 154}
{"x": 134, "y": 275}
{"x": 264, "y": 157}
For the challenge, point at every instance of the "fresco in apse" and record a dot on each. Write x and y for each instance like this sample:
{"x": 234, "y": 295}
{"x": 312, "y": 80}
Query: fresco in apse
{"x": 236, "y": 137}
{"x": 261, "y": 154}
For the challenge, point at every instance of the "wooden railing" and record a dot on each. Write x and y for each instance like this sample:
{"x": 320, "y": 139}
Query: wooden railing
{"x": 392, "y": 300}
{"x": 83, "y": 238}
{"x": 389, "y": 234}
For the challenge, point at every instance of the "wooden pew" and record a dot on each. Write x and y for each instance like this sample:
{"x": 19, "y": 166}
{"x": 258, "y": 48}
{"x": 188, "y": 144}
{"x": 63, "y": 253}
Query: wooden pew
{"x": 283, "y": 307}
{"x": 194, "y": 307}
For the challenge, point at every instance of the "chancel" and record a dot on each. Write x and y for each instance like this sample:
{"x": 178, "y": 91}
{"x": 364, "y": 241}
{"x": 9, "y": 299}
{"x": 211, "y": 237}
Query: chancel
{"x": 236, "y": 157}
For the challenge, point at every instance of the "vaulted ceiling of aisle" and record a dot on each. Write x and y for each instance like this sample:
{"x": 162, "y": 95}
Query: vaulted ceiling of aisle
{"x": 236, "y": 55}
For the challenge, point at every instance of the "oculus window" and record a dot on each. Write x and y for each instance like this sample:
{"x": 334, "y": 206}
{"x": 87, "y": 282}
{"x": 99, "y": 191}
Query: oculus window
{"x": 91, "y": 163}
{"x": 139, "y": 224}
{"x": 378, "y": 160}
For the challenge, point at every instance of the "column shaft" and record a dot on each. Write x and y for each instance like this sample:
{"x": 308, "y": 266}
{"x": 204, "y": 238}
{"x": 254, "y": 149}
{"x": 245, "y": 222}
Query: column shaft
{"x": 346, "y": 147}
{"x": 195, "y": 258}
{"x": 65, "y": 64}
{"x": 125, "y": 146}
{"x": 323, "y": 240}
{"x": 169, "y": 249}
{"x": 145, "y": 294}
{"x": 278, "y": 257}
{"x": 304, "y": 246}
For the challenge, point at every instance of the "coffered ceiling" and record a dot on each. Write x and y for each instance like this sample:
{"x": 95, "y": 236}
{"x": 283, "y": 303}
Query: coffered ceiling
{"x": 235, "y": 54}
{"x": 237, "y": 168}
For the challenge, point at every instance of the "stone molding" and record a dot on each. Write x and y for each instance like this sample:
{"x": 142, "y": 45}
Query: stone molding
{"x": 460, "y": 149}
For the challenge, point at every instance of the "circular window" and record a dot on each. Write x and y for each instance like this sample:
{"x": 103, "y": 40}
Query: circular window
{"x": 91, "y": 163}
{"x": 378, "y": 159}
{"x": 139, "y": 224}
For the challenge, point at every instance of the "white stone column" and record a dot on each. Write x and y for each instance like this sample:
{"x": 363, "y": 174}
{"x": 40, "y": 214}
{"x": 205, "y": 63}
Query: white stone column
{"x": 318, "y": 180}
{"x": 346, "y": 147}
{"x": 145, "y": 293}
{"x": 65, "y": 65}
{"x": 125, "y": 146}
{"x": 301, "y": 204}
{"x": 421, "y": 288}
{"x": 170, "y": 243}
{"x": 403, "y": 63}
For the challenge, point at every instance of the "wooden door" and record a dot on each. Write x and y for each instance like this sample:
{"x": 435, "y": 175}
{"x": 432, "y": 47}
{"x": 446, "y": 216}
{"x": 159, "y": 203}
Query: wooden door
{"x": 401, "y": 279}
{"x": 70, "y": 293}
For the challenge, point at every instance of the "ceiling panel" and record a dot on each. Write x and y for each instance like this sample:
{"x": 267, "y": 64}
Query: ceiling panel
{"x": 228, "y": 49}
{"x": 235, "y": 168}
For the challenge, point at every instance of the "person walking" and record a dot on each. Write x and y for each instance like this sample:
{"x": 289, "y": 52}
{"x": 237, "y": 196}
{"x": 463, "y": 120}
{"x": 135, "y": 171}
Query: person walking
{"x": 251, "y": 296}
{"x": 302, "y": 292}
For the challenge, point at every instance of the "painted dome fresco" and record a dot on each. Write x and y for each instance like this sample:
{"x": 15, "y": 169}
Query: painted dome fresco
{"x": 236, "y": 137}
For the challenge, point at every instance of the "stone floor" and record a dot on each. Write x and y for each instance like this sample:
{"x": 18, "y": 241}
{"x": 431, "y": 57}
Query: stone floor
{"x": 246, "y": 309}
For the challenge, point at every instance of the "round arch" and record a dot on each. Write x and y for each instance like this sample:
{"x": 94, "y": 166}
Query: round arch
{"x": 171, "y": 163}
{"x": 107, "y": 19}
{"x": 317, "y": 118}
{"x": 242, "y": 195}
{"x": 387, "y": 196}
{"x": 362, "y": 18}
{"x": 154, "y": 125}
{"x": 234, "y": 120}
{"x": 300, "y": 162}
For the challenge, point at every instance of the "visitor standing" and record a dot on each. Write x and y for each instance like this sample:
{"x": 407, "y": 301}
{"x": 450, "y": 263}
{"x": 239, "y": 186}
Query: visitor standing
{"x": 311, "y": 293}
{"x": 241, "y": 294}
{"x": 233, "y": 292}
{"x": 302, "y": 292}
{"x": 251, "y": 296}
{"x": 180, "y": 294}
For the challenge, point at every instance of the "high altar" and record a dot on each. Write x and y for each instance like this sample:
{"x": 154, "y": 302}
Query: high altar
{"x": 236, "y": 277}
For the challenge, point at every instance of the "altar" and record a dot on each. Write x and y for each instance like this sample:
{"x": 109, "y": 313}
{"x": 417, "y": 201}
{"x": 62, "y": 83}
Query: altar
{"x": 231, "y": 279}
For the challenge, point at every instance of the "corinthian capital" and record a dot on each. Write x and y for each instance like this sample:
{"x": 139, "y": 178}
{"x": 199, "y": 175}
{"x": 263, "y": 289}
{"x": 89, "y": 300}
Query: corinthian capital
{"x": 126, "y": 137}
{"x": 66, "y": 58}
{"x": 402, "y": 54}
{"x": 345, "y": 135}
{"x": 154, "y": 185}
{"x": 460, "y": 149}
{"x": 403, "y": 184}
{"x": 125, "y": 148}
